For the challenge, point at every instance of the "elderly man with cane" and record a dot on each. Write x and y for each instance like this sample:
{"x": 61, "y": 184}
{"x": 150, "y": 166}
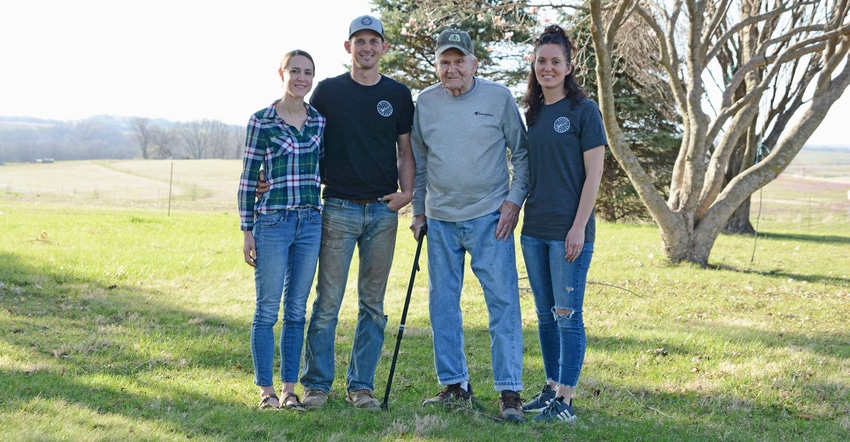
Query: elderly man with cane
{"x": 463, "y": 128}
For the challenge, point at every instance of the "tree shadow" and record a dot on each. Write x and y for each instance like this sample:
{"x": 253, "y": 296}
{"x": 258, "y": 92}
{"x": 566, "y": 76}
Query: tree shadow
{"x": 824, "y": 239}
{"x": 697, "y": 400}
{"x": 837, "y": 281}
{"x": 672, "y": 408}
{"x": 70, "y": 334}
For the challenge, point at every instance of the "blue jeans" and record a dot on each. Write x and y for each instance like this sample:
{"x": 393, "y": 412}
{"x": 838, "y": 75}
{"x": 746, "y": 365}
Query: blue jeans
{"x": 372, "y": 228}
{"x": 558, "y": 284}
{"x": 494, "y": 264}
{"x": 287, "y": 245}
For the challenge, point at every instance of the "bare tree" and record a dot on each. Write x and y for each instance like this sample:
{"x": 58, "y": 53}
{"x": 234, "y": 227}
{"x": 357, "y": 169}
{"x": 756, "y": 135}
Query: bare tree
{"x": 237, "y": 142}
{"x": 142, "y": 134}
{"x": 164, "y": 142}
{"x": 221, "y": 138}
{"x": 193, "y": 138}
{"x": 791, "y": 65}
{"x": 85, "y": 132}
{"x": 204, "y": 138}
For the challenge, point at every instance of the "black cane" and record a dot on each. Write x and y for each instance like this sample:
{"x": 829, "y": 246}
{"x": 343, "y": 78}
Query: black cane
{"x": 422, "y": 231}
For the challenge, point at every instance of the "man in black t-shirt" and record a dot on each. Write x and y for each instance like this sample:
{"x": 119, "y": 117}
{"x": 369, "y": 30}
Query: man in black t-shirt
{"x": 368, "y": 158}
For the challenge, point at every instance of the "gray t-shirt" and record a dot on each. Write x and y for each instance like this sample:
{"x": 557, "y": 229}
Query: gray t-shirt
{"x": 556, "y": 145}
{"x": 461, "y": 146}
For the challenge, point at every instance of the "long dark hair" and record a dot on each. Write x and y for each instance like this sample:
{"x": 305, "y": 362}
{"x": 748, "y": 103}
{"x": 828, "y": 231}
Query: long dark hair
{"x": 533, "y": 99}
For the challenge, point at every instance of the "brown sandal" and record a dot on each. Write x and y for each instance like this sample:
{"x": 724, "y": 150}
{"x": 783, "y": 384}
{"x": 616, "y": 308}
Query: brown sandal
{"x": 265, "y": 401}
{"x": 292, "y": 402}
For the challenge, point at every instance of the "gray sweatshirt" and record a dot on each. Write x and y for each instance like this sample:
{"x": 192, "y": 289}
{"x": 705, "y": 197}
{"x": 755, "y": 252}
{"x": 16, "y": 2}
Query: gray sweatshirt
{"x": 461, "y": 147}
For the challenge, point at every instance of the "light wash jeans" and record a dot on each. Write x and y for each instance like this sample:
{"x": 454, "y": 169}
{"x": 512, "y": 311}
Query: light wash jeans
{"x": 494, "y": 264}
{"x": 287, "y": 244}
{"x": 558, "y": 283}
{"x": 372, "y": 228}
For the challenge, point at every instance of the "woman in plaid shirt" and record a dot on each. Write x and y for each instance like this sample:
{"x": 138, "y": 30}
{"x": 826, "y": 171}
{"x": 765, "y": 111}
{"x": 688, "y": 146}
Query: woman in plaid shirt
{"x": 283, "y": 227}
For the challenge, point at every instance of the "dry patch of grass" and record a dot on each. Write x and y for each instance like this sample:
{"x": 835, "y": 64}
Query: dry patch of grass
{"x": 815, "y": 188}
{"x": 191, "y": 184}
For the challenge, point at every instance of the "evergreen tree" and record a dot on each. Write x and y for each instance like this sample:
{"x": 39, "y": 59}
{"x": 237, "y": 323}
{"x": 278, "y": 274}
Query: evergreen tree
{"x": 500, "y": 31}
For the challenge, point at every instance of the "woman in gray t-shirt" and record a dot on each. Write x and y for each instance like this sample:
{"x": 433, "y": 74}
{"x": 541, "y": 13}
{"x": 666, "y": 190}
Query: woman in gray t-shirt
{"x": 566, "y": 148}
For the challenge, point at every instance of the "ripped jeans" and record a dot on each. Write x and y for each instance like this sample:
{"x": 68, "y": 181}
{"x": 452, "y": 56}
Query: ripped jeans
{"x": 558, "y": 285}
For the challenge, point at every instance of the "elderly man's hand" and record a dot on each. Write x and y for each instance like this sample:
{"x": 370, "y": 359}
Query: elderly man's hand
{"x": 416, "y": 225}
{"x": 508, "y": 218}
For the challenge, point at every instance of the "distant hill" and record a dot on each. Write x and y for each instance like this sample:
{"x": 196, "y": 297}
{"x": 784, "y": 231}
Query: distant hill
{"x": 28, "y": 139}
{"x": 822, "y": 148}
{"x": 6, "y": 122}
{"x": 108, "y": 119}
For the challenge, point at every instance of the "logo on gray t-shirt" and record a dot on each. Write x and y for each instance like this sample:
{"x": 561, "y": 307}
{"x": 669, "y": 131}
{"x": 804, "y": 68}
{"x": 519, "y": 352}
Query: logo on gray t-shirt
{"x": 385, "y": 108}
{"x": 562, "y": 125}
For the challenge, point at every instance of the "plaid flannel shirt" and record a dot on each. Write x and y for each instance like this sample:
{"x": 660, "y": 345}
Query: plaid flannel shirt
{"x": 289, "y": 159}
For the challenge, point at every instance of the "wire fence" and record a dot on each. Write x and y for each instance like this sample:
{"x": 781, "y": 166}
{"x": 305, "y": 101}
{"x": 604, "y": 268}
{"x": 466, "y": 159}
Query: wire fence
{"x": 184, "y": 185}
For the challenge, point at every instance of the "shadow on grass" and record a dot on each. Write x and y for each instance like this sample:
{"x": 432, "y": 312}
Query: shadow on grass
{"x": 836, "y": 281}
{"x": 663, "y": 398}
{"x": 782, "y": 274}
{"x": 803, "y": 237}
{"x": 660, "y": 416}
{"x": 104, "y": 351}
{"x": 73, "y": 338}
{"x": 121, "y": 351}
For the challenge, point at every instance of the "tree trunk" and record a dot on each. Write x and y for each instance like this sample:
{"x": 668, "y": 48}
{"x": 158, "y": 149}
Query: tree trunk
{"x": 677, "y": 239}
{"x": 739, "y": 222}
{"x": 743, "y": 156}
{"x": 684, "y": 242}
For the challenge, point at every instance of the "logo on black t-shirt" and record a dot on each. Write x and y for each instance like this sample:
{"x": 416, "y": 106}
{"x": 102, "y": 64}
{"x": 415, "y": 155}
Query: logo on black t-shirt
{"x": 385, "y": 108}
{"x": 562, "y": 125}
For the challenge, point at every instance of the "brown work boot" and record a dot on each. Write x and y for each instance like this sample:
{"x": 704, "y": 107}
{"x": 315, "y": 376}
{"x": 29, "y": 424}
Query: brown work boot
{"x": 510, "y": 407}
{"x": 449, "y": 394}
{"x": 314, "y": 399}
{"x": 363, "y": 400}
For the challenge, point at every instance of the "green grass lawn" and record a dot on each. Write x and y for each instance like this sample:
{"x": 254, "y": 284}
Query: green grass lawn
{"x": 118, "y": 321}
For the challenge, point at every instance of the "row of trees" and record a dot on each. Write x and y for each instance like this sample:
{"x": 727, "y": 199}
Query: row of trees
{"x": 26, "y": 140}
{"x": 744, "y": 83}
{"x": 196, "y": 139}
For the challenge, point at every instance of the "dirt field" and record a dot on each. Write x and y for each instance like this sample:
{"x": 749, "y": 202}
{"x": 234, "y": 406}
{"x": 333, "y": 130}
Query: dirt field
{"x": 814, "y": 188}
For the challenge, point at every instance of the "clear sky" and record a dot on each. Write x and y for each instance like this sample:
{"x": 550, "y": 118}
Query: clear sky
{"x": 177, "y": 59}
{"x": 181, "y": 60}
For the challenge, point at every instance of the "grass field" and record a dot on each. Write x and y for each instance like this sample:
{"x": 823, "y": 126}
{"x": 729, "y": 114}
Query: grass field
{"x": 122, "y": 321}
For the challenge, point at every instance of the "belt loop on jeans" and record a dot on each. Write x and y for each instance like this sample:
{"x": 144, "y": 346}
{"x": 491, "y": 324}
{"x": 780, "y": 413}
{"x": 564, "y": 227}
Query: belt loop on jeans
{"x": 368, "y": 201}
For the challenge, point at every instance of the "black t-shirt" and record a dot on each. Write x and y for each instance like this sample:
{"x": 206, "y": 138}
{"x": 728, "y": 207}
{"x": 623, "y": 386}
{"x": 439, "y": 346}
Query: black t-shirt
{"x": 557, "y": 141}
{"x": 363, "y": 125}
